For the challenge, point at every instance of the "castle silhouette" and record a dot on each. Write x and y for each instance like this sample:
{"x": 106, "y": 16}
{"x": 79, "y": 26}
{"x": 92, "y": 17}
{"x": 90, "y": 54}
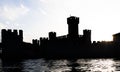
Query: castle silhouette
{"x": 68, "y": 46}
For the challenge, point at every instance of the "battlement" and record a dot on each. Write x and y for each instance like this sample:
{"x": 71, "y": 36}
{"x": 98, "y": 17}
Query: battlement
{"x": 86, "y": 30}
{"x": 73, "y": 20}
{"x": 14, "y": 31}
{"x": 12, "y": 35}
{"x": 52, "y": 35}
{"x": 43, "y": 39}
{"x": 35, "y": 42}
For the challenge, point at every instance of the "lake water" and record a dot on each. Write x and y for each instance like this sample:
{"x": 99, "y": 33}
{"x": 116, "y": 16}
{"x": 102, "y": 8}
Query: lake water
{"x": 83, "y": 65}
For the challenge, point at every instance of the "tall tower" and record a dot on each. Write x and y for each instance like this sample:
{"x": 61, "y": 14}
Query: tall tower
{"x": 73, "y": 22}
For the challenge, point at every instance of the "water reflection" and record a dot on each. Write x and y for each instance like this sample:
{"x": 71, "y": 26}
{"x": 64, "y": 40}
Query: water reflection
{"x": 81, "y": 65}
{"x": 97, "y": 65}
{"x": 41, "y": 65}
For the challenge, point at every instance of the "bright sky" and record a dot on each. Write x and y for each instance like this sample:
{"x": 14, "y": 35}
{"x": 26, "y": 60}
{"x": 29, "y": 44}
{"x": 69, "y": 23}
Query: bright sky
{"x": 38, "y": 17}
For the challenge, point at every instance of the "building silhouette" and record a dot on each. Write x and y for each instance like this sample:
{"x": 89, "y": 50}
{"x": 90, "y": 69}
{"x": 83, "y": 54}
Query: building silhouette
{"x": 73, "y": 27}
{"x": 71, "y": 45}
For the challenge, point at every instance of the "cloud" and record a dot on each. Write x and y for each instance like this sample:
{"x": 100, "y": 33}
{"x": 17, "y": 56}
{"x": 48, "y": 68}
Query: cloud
{"x": 43, "y": 11}
{"x": 13, "y": 12}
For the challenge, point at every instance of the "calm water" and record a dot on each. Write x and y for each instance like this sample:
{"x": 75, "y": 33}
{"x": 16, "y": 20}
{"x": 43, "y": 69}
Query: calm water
{"x": 83, "y": 65}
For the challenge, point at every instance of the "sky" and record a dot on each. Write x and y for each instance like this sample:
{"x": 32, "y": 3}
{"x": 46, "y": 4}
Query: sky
{"x": 38, "y": 17}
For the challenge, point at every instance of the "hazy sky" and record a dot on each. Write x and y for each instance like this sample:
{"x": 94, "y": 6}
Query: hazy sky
{"x": 38, "y": 17}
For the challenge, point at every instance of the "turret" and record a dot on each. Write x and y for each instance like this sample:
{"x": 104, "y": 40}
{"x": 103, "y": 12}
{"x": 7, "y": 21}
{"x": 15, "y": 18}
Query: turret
{"x": 52, "y": 35}
{"x": 87, "y": 35}
{"x": 73, "y": 22}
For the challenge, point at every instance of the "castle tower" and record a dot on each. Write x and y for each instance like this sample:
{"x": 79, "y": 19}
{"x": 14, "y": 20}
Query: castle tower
{"x": 87, "y": 35}
{"x": 52, "y": 35}
{"x": 73, "y": 22}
